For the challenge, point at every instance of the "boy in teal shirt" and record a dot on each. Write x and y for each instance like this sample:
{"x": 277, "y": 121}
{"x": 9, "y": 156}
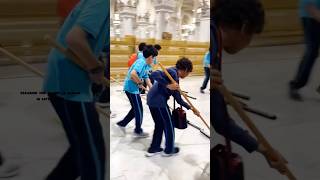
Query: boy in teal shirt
{"x": 86, "y": 33}
{"x": 137, "y": 73}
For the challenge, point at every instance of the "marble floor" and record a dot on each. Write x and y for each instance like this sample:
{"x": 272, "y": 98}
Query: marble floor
{"x": 128, "y": 161}
{"x": 31, "y": 134}
{"x": 263, "y": 74}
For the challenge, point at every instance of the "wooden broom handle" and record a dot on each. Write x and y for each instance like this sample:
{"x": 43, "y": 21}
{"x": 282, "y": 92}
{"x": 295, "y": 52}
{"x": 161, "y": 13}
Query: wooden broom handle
{"x": 72, "y": 56}
{"x": 237, "y": 107}
{"x": 181, "y": 92}
{"x": 21, "y": 62}
{"x": 36, "y": 71}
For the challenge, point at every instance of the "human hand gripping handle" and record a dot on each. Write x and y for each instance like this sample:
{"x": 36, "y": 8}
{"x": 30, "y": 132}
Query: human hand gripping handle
{"x": 142, "y": 87}
{"x": 97, "y": 74}
{"x": 37, "y": 72}
{"x": 216, "y": 76}
{"x": 173, "y": 86}
{"x": 275, "y": 159}
{"x": 96, "y": 77}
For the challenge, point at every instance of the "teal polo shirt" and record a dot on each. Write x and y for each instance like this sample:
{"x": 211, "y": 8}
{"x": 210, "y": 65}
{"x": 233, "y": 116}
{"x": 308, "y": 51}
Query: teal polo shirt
{"x": 63, "y": 76}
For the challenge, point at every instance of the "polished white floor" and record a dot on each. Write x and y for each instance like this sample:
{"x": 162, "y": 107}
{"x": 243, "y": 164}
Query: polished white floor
{"x": 31, "y": 134}
{"x": 264, "y": 74}
{"x": 128, "y": 161}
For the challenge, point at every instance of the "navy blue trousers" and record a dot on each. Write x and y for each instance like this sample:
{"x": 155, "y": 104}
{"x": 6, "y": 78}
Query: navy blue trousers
{"x": 312, "y": 40}
{"x": 206, "y": 78}
{"x": 162, "y": 124}
{"x": 1, "y": 159}
{"x": 136, "y": 112}
{"x": 85, "y": 157}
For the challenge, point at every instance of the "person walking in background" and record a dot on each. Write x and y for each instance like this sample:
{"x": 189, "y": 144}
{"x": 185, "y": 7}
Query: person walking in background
{"x": 206, "y": 65}
{"x": 310, "y": 17}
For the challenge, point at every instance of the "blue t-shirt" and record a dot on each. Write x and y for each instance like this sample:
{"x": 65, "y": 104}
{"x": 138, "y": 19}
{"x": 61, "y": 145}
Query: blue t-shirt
{"x": 206, "y": 59}
{"x": 303, "y": 5}
{"x": 63, "y": 76}
{"x": 155, "y": 61}
{"x": 142, "y": 69}
{"x": 140, "y": 55}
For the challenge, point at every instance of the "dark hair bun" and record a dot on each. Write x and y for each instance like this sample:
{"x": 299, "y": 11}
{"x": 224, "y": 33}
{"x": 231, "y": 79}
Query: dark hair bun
{"x": 149, "y": 51}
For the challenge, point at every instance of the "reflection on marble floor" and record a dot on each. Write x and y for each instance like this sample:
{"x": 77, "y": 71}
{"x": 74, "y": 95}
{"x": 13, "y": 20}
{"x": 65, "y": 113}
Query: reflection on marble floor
{"x": 128, "y": 161}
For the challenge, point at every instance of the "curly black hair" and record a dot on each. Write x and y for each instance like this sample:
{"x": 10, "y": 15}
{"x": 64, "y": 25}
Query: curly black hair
{"x": 184, "y": 64}
{"x": 239, "y": 14}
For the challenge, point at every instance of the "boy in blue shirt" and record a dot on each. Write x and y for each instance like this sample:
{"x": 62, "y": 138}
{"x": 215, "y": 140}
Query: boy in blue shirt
{"x": 134, "y": 80}
{"x": 86, "y": 33}
{"x": 137, "y": 55}
{"x": 141, "y": 47}
{"x": 310, "y": 15}
{"x": 157, "y": 99}
{"x": 158, "y": 48}
{"x": 206, "y": 65}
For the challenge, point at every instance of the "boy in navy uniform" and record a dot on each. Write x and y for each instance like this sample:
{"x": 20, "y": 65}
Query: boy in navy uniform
{"x": 134, "y": 80}
{"x": 233, "y": 24}
{"x": 157, "y": 99}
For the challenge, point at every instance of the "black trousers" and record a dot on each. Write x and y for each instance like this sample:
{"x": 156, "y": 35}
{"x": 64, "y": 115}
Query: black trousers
{"x": 1, "y": 159}
{"x": 311, "y": 29}
{"x": 85, "y": 157}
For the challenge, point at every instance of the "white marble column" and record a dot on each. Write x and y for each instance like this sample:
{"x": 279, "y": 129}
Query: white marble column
{"x": 163, "y": 10}
{"x": 172, "y": 26}
{"x": 205, "y": 23}
{"x": 197, "y": 27}
{"x": 151, "y": 30}
{"x": 142, "y": 26}
{"x": 127, "y": 17}
{"x": 191, "y": 36}
{"x": 112, "y": 29}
